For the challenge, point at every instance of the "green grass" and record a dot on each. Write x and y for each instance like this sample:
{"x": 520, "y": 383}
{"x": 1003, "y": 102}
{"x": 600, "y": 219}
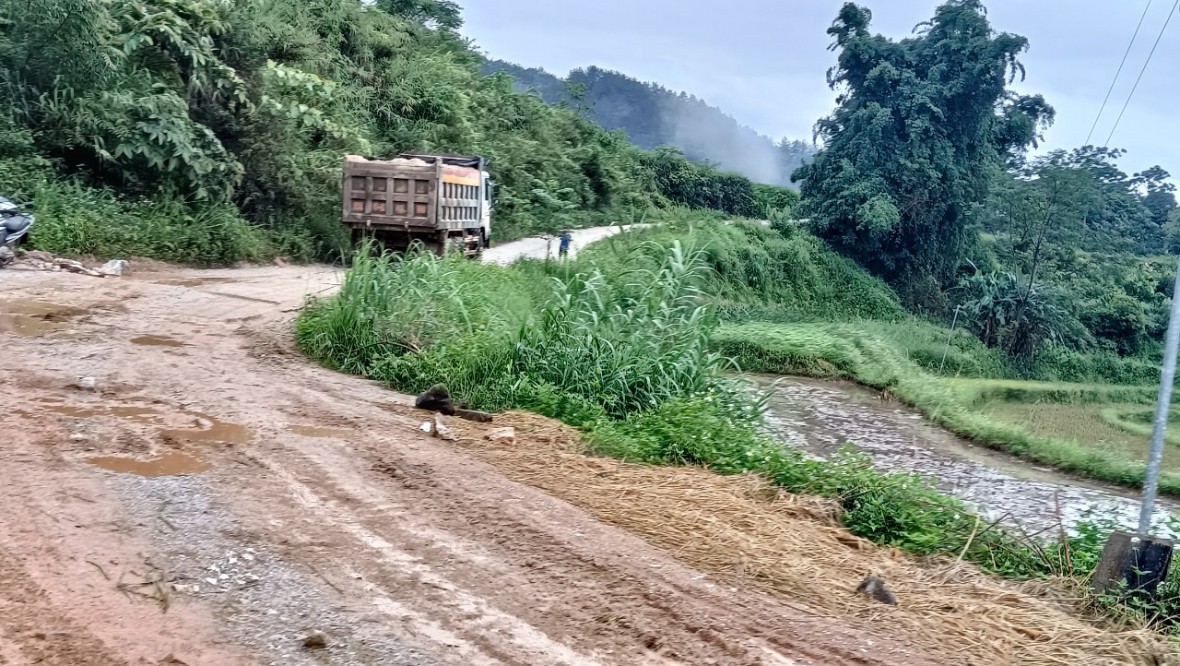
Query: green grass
{"x": 980, "y": 392}
{"x": 759, "y": 272}
{"x": 76, "y": 219}
{"x": 570, "y": 340}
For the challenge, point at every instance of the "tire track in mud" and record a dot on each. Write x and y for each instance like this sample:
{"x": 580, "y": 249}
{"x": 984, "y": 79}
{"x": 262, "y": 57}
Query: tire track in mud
{"x": 491, "y": 623}
{"x": 646, "y": 607}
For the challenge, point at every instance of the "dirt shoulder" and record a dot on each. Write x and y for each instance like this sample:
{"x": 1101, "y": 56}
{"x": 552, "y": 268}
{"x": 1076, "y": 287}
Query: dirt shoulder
{"x": 315, "y": 504}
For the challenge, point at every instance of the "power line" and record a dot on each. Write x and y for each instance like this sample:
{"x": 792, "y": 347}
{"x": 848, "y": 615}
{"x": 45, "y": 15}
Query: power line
{"x": 1141, "y": 71}
{"x": 1117, "y": 73}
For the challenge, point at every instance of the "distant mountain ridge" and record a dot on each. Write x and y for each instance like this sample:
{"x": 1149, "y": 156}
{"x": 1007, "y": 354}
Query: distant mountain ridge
{"x": 654, "y": 116}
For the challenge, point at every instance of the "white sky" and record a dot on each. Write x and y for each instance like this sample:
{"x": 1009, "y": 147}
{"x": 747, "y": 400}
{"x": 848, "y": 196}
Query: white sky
{"x": 764, "y": 61}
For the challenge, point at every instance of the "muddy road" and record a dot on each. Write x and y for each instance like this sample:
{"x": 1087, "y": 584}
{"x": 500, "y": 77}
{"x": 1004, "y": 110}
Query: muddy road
{"x": 182, "y": 487}
{"x": 820, "y": 416}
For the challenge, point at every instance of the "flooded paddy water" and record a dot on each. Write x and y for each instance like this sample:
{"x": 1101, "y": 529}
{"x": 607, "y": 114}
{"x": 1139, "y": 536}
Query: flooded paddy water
{"x": 819, "y": 417}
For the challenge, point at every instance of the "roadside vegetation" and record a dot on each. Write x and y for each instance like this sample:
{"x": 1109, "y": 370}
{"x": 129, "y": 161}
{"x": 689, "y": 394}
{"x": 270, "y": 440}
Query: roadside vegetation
{"x": 212, "y": 132}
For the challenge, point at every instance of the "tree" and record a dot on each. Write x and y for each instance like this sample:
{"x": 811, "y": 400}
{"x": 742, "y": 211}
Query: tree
{"x": 1009, "y": 312}
{"x": 920, "y": 127}
{"x": 441, "y": 14}
{"x": 1095, "y": 205}
{"x": 1158, "y": 194}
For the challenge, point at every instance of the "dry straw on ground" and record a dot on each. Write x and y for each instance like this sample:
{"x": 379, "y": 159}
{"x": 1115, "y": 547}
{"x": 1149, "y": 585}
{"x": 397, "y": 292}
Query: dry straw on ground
{"x": 742, "y": 530}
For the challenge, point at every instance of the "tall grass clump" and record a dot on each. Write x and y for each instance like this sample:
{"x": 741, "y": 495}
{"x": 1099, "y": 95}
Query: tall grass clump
{"x": 779, "y": 272}
{"x": 581, "y": 343}
{"x": 631, "y": 344}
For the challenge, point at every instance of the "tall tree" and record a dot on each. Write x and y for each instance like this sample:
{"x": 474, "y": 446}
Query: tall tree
{"x": 921, "y": 125}
{"x": 1158, "y": 195}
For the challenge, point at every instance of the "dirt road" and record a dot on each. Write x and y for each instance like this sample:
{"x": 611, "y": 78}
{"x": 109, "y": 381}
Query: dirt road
{"x": 182, "y": 486}
{"x": 539, "y": 247}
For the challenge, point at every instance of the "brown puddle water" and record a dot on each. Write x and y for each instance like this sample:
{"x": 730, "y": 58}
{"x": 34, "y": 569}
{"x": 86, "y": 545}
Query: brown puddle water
{"x": 186, "y": 282}
{"x": 217, "y": 431}
{"x": 157, "y": 341}
{"x": 208, "y": 429}
{"x": 130, "y": 412}
{"x": 35, "y": 318}
{"x": 324, "y": 433}
{"x": 173, "y": 463}
{"x": 819, "y": 417}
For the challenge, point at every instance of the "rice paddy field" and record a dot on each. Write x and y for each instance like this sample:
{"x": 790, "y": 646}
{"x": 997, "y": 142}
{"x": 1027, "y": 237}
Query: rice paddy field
{"x": 1115, "y": 420}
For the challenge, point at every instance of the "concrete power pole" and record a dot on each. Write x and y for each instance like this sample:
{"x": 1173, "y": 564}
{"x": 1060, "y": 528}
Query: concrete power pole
{"x": 1139, "y": 561}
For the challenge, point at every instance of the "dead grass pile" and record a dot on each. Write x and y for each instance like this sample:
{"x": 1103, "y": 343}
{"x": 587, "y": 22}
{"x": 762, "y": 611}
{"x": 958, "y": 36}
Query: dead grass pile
{"x": 744, "y": 531}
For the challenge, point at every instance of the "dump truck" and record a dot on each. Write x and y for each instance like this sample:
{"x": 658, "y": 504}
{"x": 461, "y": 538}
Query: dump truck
{"x": 443, "y": 201}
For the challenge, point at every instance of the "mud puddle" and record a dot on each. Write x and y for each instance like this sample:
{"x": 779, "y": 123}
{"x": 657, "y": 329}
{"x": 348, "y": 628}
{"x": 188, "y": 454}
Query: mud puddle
{"x": 128, "y": 412}
{"x": 322, "y": 433}
{"x": 173, "y": 463}
{"x": 36, "y": 318}
{"x": 821, "y": 416}
{"x": 208, "y": 429}
{"x": 203, "y": 428}
{"x": 157, "y": 341}
{"x": 185, "y": 281}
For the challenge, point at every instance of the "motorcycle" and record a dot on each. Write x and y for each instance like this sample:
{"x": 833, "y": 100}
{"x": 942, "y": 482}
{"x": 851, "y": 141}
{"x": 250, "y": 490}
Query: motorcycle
{"x": 15, "y": 223}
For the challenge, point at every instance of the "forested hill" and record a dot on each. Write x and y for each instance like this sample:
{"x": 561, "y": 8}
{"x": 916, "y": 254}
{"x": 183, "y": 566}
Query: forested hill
{"x": 654, "y": 116}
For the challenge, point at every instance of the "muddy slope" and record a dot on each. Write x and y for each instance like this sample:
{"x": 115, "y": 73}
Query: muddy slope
{"x": 309, "y": 501}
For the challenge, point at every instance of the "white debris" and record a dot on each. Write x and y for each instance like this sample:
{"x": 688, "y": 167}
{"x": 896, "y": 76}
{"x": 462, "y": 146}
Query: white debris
{"x": 442, "y": 430}
{"x": 501, "y": 435}
{"x": 115, "y": 267}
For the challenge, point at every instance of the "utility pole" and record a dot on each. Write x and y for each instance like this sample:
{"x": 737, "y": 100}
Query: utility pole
{"x": 947, "y": 348}
{"x": 1138, "y": 563}
{"x": 1159, "y": 428}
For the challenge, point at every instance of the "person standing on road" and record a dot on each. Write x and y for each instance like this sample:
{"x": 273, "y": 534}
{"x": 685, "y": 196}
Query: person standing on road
{"x": 563, "y": 246}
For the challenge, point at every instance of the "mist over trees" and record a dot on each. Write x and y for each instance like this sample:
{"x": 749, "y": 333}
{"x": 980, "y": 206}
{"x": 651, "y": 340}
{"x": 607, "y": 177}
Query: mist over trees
{"x": 653, "y": 116}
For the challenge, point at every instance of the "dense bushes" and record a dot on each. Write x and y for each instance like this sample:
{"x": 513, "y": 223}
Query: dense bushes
{"x": 234, "y": 112}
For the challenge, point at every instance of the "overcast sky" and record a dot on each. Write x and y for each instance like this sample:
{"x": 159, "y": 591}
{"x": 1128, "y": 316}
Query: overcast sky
{"x": 764, "y": 61}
